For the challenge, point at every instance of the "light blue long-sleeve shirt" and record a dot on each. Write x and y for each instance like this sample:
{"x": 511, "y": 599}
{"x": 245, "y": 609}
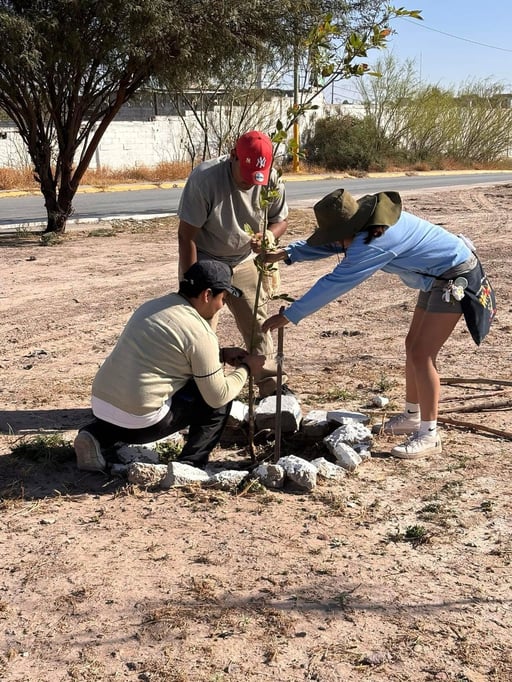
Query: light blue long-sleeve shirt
{"x": 414, "y": 249}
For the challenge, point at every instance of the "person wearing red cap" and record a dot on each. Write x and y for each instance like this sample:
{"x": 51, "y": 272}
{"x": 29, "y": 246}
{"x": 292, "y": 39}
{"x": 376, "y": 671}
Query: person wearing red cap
{"x": 220, "y": 200}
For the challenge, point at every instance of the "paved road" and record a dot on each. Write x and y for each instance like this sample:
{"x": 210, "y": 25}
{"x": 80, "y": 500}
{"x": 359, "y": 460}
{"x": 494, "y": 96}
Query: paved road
{"x": 28, "y": 210}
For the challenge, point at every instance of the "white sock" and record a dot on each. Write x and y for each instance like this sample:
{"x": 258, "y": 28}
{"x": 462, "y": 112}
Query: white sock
{"x": 428, "y": 428}
{"x": 413, "y": 410}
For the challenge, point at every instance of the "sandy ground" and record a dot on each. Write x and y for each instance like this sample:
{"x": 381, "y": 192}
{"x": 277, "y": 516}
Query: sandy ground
{"x": 402, "y": 572}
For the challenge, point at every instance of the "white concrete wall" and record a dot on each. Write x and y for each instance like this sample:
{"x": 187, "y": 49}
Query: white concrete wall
{"x": 127, "y": 144}
{"x": 13, "y": 152}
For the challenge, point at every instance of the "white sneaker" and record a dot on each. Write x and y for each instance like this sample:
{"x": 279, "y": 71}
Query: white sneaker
{"x": 88, "y": 452}
{"x": 399, "y": 425}
{"x": 418, "y": 446}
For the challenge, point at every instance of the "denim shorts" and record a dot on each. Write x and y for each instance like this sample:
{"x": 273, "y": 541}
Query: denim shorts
{"x": 432, "y": 301}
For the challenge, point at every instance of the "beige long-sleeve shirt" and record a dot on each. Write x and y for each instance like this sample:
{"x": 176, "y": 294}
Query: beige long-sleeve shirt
{"x": 164, "y": 344}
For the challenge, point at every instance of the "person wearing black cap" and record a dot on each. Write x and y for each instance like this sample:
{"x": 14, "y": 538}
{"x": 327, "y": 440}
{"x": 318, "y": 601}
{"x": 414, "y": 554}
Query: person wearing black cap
{"x": 166, "y": 372}
{"x": 375, "y": 234}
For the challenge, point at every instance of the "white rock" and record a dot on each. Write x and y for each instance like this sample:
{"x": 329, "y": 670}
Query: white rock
{"x": 328, "y": 469}
{"x": 146, "y": 475}
{"x": 363, "y": 451}
{"x": 345, "y": 455}
{"x": 138, "y": 453}
{"x": 227, "y": 479}
{"x": 352, "y": 432}
{"x": 315, "y": 424}
{"x": 270, "y": 475}
{"x": 238, "y": 413}
{"x": 316, "y": 415}
{"x": 300, "y": 471}
{"x": 380, "y": 401}
{"x": 179, "y": 473}
{"x": 342, "y": 417}
{"x": 291, "y": 414}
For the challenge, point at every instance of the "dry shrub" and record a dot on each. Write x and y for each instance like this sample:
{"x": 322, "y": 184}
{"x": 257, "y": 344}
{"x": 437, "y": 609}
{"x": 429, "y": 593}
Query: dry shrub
{"x": 23, "y": 178}
{"x": 422, "y": 166}
{"x": 446, "y": 163}
{"x": 163, "y": 172}
{"x": 17, "y": 178}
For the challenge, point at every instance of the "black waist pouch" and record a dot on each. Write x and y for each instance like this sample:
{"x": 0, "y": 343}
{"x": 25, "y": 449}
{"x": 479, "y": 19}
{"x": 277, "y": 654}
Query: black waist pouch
{"x": 478, "y": 303}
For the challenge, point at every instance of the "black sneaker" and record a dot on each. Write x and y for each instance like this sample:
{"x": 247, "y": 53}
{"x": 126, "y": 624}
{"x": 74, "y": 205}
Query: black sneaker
{"x": 285, "y": 390}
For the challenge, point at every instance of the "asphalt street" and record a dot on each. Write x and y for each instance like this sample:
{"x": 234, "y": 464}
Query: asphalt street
{"x": 26, "y": 210}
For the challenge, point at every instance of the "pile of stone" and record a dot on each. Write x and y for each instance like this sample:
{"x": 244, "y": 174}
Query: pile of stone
{"x": 345, "y": 435}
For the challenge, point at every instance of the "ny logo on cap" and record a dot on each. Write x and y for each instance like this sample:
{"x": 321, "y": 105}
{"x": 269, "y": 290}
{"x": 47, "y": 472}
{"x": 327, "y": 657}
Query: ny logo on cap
{"x": 261, "y": 162}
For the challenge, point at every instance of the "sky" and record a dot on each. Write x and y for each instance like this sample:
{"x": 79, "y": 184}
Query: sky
{"x": 457, "y": 41}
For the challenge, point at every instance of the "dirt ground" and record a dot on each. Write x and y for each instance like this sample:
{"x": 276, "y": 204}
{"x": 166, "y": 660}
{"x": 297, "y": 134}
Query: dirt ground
{"x": 401, "y": 572}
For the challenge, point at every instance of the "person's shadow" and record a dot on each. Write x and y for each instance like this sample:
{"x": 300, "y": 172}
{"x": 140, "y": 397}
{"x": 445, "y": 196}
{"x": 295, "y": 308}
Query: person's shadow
{"x": 34, "y": 421}
{"x": 42, "y": 461}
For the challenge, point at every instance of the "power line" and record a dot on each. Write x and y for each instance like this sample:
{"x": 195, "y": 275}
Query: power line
{"x": 450, "y": 35}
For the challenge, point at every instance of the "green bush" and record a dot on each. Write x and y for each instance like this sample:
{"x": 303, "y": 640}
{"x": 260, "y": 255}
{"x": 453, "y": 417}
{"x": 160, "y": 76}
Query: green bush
{"x": 344, "y": 143}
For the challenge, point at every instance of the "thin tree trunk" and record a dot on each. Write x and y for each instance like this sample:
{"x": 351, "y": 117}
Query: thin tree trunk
{"x": 58, "y": 209}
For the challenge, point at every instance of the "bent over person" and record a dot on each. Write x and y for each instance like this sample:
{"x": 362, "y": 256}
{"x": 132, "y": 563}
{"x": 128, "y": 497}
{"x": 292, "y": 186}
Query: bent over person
{"x": 375, "y": 234}
{"x": 220, "y": 198}
{"x": 166, "y": 373}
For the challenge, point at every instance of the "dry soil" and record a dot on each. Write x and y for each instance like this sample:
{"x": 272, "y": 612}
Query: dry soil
{"x": 401, "y": 572}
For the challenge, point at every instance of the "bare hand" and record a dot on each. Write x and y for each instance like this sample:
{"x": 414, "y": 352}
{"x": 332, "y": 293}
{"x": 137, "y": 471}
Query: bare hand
{"x": 261, "y": 243}
{"x": 274, "y": 322}
{"x": 255, "y": 363}
{"x": 234, "y": 356}
{"x": 256, "y": 240}
{"x": 273, "y": 256}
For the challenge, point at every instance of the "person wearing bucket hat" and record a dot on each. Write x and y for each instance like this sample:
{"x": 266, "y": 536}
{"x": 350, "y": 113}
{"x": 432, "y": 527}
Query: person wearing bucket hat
{"x": 166, "y": 373}
{"x": 373, "y": 233}
{"x": 219, "y": 209}
{"x": 340, "y": 216}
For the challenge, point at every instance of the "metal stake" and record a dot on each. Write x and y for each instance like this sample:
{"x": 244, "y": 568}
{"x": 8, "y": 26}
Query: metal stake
{"x": 279, "y": 390}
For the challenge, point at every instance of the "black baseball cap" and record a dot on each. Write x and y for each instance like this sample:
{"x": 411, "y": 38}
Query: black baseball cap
{"x": 209, "y": 274}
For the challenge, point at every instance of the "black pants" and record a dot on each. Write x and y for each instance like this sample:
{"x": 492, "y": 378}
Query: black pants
{"x": 205, "y": 426}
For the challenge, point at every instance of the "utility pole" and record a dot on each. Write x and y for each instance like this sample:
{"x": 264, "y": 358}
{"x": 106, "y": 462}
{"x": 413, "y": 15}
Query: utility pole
{"x": 295, "y": 154}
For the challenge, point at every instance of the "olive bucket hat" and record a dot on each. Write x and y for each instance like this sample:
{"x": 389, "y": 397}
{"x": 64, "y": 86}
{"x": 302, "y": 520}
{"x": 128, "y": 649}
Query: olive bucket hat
{"x": 340, "y": 216}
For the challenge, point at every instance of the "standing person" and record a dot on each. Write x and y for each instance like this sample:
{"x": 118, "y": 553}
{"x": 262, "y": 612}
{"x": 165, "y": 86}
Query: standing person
{"x": 166, "y": 373}
{"x": 220, "y": 198}
{"x": 375, "y": 234}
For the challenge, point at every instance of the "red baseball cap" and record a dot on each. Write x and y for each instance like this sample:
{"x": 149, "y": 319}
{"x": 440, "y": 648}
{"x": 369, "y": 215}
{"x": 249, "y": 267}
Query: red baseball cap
{"x": 254, "y": 152}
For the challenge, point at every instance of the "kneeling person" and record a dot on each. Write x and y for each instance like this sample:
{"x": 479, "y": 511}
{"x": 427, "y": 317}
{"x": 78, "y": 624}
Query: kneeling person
{"x": 166, "y": 373}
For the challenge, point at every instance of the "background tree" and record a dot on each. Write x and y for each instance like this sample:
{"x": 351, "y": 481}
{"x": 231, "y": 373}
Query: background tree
{"x": 216, "y": 112}
{"x": 396, "y": 84}
{"x": 423, "y": 122}
{"x": 483, "y": 123}
{"x": 66, "y": 68}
